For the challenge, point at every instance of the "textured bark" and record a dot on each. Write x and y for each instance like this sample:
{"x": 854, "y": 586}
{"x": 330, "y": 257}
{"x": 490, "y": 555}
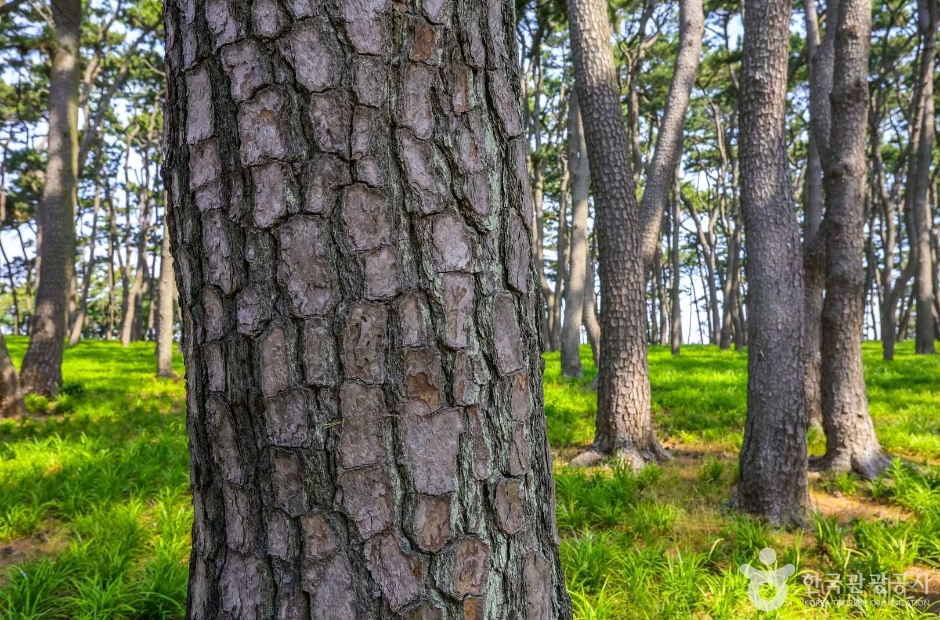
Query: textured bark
{"x": 165, "y": 317}
{"x": 624, "y": 425}
{"x": 661, "y": 170}
{"x": 580, "y": 172}
{"x": 773, "y": 463}
{"x": 820, "y": 55}
{"x": 350, "y": 218}
{"x": 11, "y": 399}
{"x": 42, "y": 366}
{"x": 921, "y": 216}
{"x": 851, "y": 444}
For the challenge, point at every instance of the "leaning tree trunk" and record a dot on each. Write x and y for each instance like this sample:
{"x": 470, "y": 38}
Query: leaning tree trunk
{"x": 773, "y": 479}
{"x": 42, "y": 365}
{"x": 851, "y": 444}
{"x": 661, "y": 171}
{"x": 580, "y": 172}
{"x": 921, "y": 216}
{"x": 165, "y": 315}
{"x": 624, "y": 425}
{"x": 11, "y": 399}
{"x": 349, "y": 213}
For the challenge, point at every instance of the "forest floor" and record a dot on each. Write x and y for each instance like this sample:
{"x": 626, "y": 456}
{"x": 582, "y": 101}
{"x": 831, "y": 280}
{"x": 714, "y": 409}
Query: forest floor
{"x": 95, "y": 511}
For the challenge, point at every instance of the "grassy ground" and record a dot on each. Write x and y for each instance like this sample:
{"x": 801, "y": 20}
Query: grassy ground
{"x": 95, "y": 515}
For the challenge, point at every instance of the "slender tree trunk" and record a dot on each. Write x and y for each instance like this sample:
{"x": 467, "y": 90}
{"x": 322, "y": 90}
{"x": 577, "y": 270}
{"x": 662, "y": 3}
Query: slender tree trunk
{"x": 773, "y": 479}
{"x": 580, "y": 175}
{"x": 79, "y": 323}
{"x": 814, "y": 268}
{"x": 11, "y": 399}
{"x": 675, "y": 337}
{"x": 165, "y": 319}
{"x": 921, "y": 216}
{"x": 624, "y": 425}
{"x": 112, "y": 245}
{"x": 6, "y": 259}
{"x": 548, "y": 299}
{"x": 359, "y": 310}
{"x": 661, "y": 171}
{"x": 851, "y": 444}
{"x": 42, "y": 366}
{"x": 561, "y": 270}
{"x": 131, "y": 322}
{"x": 15, "y": 298}
{"x": 663, "y": 326}
{"x": 589, "y": 315}
{"x": 814, "y": 255}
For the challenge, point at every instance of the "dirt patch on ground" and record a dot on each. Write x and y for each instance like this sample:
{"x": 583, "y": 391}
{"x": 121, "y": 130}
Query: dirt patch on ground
{"x": 47, "y": 542}
{"x": 846, "y": 508}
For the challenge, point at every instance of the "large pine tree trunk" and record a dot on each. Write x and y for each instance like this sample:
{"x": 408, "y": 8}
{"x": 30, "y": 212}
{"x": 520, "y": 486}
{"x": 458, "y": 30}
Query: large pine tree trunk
{"x": 851, "y": 444}
{"x": 773, "y": 479}
{"x": 165, "y": 315}
{"x": 42, "y": 365}
{"x": 921, "y": 216}
{"x": 349, "y": 213}
{"x": 624, "y": 425}
{"x": 580, "y": 172}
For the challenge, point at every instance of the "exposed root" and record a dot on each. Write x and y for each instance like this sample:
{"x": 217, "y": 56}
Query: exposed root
{"x": 867, "y": 466}
{"x": 628, "y": 455}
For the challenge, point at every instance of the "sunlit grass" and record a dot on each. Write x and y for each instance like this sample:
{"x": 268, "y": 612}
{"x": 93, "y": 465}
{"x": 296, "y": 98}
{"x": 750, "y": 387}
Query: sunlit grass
{"x": 95, "y": 494}
{"x": 95, "y": 510}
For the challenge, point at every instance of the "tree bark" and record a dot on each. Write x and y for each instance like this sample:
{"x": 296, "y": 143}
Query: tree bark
{"x": 820, "y": 55}
{"x": 624, "y": 425}
{"x": 580, "y": 175}
{"x": 165, "y": 317}
{"x": 350, "y": 218}
{"x": 851, "y": 444}
{"x": 773, "y": 463}
{"x": 661, "y": 170}
{"x": 42, "y": 365}
{"x": 921, "y": 216}
{"x": 11, "y": 399}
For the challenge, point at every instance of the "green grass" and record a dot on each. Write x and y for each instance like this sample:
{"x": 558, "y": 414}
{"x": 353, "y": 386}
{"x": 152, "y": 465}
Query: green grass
{"x": 95, "y": 512}
{"x": 94, "y": 499}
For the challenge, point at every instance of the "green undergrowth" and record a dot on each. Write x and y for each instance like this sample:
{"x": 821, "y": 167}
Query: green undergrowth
{"x": 95, "y": 512}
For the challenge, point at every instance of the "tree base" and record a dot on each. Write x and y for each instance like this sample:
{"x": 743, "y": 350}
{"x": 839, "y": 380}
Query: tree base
{"x": 867, "y": 466}
{"x": 629, "y": 456}
{"x": 778, "y": 516}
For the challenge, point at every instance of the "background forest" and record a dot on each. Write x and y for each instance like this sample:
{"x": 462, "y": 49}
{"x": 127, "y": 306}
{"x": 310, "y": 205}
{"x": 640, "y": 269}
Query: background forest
{"x": 95, "y": 504}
